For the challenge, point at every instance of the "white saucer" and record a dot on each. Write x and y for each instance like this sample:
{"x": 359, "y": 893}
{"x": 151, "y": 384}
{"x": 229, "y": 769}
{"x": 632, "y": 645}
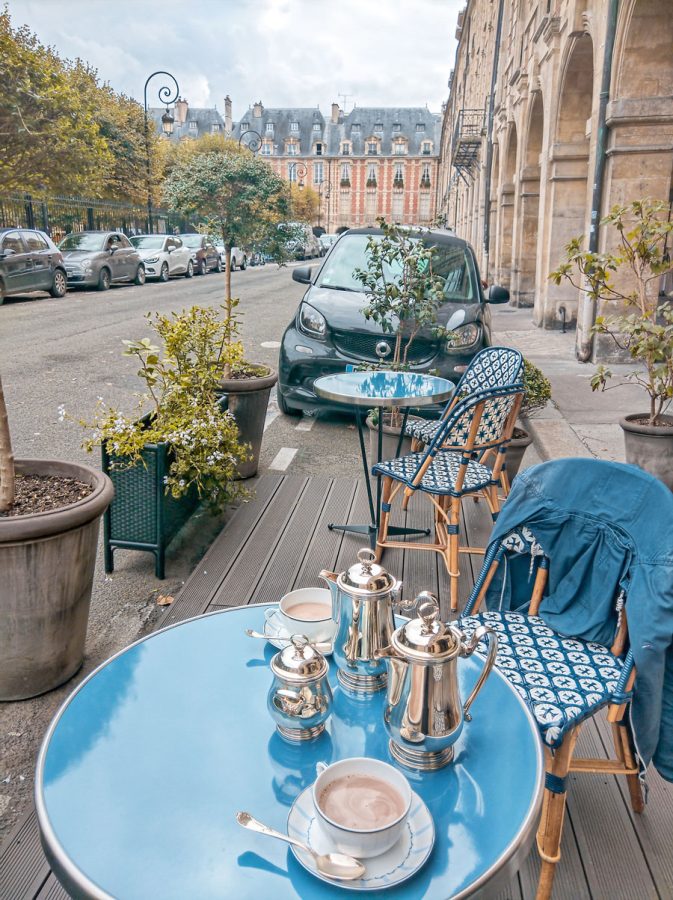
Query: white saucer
{"x": 397, "y": 865}
{"x": 278, "y": 635}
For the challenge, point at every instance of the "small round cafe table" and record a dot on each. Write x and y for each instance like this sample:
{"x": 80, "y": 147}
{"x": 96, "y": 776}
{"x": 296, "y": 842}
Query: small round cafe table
{"x": 381, "y": 390}
{"x": 144, "y": 767}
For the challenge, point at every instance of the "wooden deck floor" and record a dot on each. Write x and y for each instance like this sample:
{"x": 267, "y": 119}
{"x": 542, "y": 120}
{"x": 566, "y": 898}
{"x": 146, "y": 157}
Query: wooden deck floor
{"x": 280, "y": 541}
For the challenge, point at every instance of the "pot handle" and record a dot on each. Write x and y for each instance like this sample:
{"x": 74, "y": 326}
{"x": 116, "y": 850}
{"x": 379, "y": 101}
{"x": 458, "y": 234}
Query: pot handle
{"x": 468, "y": 649}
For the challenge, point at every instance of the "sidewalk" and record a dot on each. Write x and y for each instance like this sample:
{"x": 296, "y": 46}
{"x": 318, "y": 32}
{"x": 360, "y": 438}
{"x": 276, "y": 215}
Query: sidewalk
{"x": 579, "y": 421}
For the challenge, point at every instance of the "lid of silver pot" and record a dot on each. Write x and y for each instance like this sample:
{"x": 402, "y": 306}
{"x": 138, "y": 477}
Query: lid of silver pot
{"x": 299, "y": 661}
{"x": 366, "y": 576}
{"x": 426, "y": 636}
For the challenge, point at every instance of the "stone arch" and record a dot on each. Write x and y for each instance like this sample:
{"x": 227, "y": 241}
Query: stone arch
{"x": 506, "y": 204}
{"x": 528, "y": 205}
{"x": 568, "y": 189}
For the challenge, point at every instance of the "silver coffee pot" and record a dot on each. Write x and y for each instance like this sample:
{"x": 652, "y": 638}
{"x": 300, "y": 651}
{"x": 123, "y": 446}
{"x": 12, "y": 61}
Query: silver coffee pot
{"x": 300, "y": 698}
{"x": 362, "y": 607}
{"x": 424, "y": 714}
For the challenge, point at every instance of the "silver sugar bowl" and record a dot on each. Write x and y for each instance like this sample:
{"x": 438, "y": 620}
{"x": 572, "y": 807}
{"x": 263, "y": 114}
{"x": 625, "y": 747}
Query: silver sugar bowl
{"x": 300, "y": 698}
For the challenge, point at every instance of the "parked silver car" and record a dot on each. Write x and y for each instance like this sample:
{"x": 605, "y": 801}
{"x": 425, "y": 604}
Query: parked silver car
{"x": 100, "y": 258}
{"x": 163, "y": 255}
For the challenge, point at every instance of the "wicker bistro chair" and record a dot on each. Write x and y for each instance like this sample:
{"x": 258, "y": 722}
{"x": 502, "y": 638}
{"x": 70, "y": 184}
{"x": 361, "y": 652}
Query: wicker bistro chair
{"x": 448, "y": 470}
{"x": 565, "y": 678}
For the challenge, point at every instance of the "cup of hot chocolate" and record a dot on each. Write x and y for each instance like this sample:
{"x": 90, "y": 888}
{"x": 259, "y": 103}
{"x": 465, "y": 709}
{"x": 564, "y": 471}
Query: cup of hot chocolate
{"x": 362, "y": 805}
{"x": 306, "y": 611}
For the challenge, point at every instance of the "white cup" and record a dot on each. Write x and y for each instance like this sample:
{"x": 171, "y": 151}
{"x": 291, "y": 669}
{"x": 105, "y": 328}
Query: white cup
{"x": 315, "y": 629}
{"x": 362, "y": 843}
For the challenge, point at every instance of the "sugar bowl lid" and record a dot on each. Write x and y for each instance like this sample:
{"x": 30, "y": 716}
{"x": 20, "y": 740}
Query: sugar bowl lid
{"x": 299, "y": 661}
{"x": 366, "y": 576}
{"x": 426, "y": 636}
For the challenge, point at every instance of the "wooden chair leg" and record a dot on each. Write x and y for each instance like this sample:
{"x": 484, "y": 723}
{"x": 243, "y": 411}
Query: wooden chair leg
{"x": 553, "y": 812}
{"x": 384, "y": 516}
{"x": 408, "y": 494}
{"x": 621, "y": 735}
{"x": 454, "y": 554}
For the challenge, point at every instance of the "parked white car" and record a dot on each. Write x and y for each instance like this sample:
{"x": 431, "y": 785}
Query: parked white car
{"x": 163, "y": 255}
{"x": 239, "y": 258}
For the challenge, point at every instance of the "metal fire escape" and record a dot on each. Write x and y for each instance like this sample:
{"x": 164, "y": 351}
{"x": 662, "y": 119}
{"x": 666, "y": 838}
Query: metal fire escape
{"x": 467, "y": 137}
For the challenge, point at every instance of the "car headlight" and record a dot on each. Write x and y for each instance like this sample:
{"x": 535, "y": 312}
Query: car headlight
{"x": 463, "y": 336}
{"x": 311, "y": 321}
{"x": 152, "y": 259}
{"x": 87, "y": 265}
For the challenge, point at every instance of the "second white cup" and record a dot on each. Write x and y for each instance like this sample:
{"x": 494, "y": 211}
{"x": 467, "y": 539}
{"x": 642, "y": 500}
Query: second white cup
{"x": 306, "y": 611}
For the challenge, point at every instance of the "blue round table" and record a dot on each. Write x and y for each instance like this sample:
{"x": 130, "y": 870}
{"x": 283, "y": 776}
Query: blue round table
{"x": 381, "y": 389}
{"x": 145, "y": 765}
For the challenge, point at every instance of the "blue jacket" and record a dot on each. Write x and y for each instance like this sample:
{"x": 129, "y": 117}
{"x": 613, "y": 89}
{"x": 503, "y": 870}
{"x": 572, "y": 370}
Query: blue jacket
{"x": 607, "y": 530}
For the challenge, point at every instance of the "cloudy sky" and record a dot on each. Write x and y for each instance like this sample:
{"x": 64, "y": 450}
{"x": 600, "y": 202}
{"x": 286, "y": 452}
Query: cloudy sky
{"x": 283, "y": 52}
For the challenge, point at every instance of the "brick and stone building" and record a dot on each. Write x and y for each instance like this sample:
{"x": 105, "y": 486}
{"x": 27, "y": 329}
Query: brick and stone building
{"x": 370, "y": 162}
{"x": 194, "y": 122}
{"x": 558, "y": 110}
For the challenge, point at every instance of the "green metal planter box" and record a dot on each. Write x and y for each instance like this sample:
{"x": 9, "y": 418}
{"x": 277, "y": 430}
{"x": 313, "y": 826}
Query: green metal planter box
{"x": 142, "y": 516}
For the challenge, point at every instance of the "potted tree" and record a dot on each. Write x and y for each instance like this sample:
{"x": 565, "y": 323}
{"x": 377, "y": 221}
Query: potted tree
{"x": 241, "y": 199}
{"x": 185, "y": 449}
{"x": 537, "y": 393}
{"x": 404, "y": 296}
{"x": 49, "y": 519}
{"x": 627, "y": 280}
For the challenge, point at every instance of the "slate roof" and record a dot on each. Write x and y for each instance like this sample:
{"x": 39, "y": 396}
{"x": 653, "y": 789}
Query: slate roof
{"x": 332, "y": 134}
{"x": 205, "y": 118}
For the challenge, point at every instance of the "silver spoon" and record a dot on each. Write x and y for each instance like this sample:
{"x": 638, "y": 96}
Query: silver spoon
{"x": 322, "y": 646}
{"x": 334, "y": 865}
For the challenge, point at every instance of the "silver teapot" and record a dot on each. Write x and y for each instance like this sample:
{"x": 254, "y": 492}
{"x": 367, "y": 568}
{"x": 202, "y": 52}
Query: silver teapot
{"x": 362, "y": 607}
{"x": 424, "y": 715}
{"x": 300, "y": 698}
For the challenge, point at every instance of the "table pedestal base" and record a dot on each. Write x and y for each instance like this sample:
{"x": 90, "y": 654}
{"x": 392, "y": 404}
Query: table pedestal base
{"x": 421, "y": 760}
{"x": 300, "y": 734}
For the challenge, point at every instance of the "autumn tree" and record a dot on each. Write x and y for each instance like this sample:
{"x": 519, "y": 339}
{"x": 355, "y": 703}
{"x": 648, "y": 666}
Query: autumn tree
{"x": 304, "y": 203}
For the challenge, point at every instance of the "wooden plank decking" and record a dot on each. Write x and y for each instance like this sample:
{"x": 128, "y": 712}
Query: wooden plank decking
{"x": 280, "y": 541}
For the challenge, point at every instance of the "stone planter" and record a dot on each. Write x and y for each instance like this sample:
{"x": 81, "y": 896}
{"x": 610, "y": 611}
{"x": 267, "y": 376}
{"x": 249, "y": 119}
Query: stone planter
{"x": 47, "y": 563}
{"x": 515, "y": 451}
{"x": 650, "y": 446}
{"x": 247, "y": 400}
{"x": 391, "y": 438}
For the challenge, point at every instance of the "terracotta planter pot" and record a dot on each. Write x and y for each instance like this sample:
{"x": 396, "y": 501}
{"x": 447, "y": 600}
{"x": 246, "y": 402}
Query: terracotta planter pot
{"x": 650, "y": 446}
{"x": 47, "y": 562}
{"x": 248, "y": 399}
{"x": 515, "y": 451}
{"x": 391, "y": 437}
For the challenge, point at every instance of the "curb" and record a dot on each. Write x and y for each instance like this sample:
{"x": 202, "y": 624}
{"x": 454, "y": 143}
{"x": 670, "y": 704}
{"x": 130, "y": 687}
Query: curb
{"x": 554, "y": 438}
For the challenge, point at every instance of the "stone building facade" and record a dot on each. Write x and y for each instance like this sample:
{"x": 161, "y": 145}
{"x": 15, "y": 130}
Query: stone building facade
{"x": 370, "y": 162}
{"x": 191, "y": 122}
{"x": 558, "y": 110}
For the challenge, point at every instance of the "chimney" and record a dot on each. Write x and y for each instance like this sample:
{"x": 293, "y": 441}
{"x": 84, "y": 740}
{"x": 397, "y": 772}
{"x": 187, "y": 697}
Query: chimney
{"x": 336, "y": 112}
{"x": 258, "y": 109}
{"x": 228, "y": 121}
{"x": 181, "y": 107}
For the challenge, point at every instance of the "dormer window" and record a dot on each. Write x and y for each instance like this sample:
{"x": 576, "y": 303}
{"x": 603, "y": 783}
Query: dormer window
{"x": 426, "y": 148}
{"x": 345, "y": 149}
{"x": 355, "y": 127}
{"x": 244, "y": 126}
{"x": 269, "y": 128}
{"x": 292, "y": 148}
{"x": 420, "y": 126}
{"x": 318, "y": 149}
{"x": 214, "y": 129}
{"x": 294, "y": 127}
{"x": 193, "y": 126}
{"x": 372, "y": 148}
{"x": 317, "y": 126}
{"x": 378, "y": 127}
{"x": 399, "y": 148}
{"x": 267, "y": 148}
{"x": 397, "y": 127}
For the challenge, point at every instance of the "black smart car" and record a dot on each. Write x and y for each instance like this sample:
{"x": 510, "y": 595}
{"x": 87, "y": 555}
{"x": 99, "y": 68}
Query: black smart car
{"x": 30, "y": 261}
{"x": 329, "y": 331}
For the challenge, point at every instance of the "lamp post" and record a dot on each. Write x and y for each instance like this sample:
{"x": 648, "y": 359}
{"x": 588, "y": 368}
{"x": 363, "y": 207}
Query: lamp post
{"x": 324, "y": 189}
{"x": 254, "y": 142}
{"x": 297, "y": 172}
{"x": 166, "y": 94}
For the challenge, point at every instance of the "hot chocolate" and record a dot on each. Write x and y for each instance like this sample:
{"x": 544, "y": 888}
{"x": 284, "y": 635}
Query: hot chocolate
{"x": 308, "y": 611}
{"x": 361, "y": 802}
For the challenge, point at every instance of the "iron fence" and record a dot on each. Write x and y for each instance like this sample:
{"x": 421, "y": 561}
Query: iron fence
{"x": 58, "y": 216}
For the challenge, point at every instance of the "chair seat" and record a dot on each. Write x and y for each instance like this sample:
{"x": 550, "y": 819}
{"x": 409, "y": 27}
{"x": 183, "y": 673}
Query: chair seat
{"x": 440, "y": 476}
{"x": 562, "y": 680}
{"x": 423, "y": 429}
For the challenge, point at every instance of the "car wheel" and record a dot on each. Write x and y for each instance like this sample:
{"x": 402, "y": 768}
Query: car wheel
{"x": 163, "y": 275}
{"x": 244, "y": 264}
{"x": 203, "y": 267}
{"x": 218, "y": 265}
{"x": 104, "y": 280}
{"x": 2, "y": 293}
{"x": 59, "y": 285}
{"x": 190, "y": 270}
{"x": 140, "y": 275}
{"x": 284, "y": 408}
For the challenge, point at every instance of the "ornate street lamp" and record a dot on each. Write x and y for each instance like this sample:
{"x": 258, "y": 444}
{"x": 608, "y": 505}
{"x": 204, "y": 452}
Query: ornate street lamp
{"x": 253, "y": 143}
{"x": 297, "y": 171}
{"x": 166, "y": 94}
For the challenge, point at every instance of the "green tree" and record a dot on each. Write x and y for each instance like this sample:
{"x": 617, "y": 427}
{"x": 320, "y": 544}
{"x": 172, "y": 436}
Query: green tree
{"x": 239, "y": 197}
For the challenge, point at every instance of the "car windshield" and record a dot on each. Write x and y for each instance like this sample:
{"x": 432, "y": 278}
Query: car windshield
{"x": 192, "y": 240}
{"x": 452, "y": 262}
{"x": 86, "y": 240}
{"x": 148, "y": 241}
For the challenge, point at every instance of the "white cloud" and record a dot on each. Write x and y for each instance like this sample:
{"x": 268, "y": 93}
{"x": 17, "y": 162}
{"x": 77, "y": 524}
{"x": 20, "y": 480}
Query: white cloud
{"x": 284, "y": 52}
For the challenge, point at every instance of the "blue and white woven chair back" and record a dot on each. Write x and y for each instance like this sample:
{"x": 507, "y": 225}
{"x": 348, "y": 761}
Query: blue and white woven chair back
{"x": 493, "y": 407}
{"x": 492, "y": 367}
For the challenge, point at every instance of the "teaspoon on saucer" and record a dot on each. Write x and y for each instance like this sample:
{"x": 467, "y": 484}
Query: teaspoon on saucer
{"x": 334, "y": 865}
{"x": 322, "y": 646}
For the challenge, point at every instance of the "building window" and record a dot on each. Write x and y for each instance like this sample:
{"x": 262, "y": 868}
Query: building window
{"x": 427, "y": 148}
{"x": 345, "y": 149}
{"x": 294, "y": 126}
{"x": 372, "y": 148}
{"x": 345, "y": 175}
{"x": 244, "y": 126}
{"x": 317, "y": 126}
{"x": 317, "y": 173}
{"x": 371, "y": 177}
{"x": 425, "y": 176}
{"x": 378, "y": 126}
{"x": 398, "y": 179}
{"x": 318, "y": 149}
{"x": 267, "y": 148}
{"x": 292, "y": 148}
{"x": 398, "y": 207}
{"x": 269, "y": 128}
{"x": 292, "y": 173}
{"x": 420, "y": 126}
{"x": 193, "y": 126}
{"x": 355, "y": 127}
{"x": 397, "y": 126}
{"x": 214, "y": 129}
{"x": 399, "y": 148}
